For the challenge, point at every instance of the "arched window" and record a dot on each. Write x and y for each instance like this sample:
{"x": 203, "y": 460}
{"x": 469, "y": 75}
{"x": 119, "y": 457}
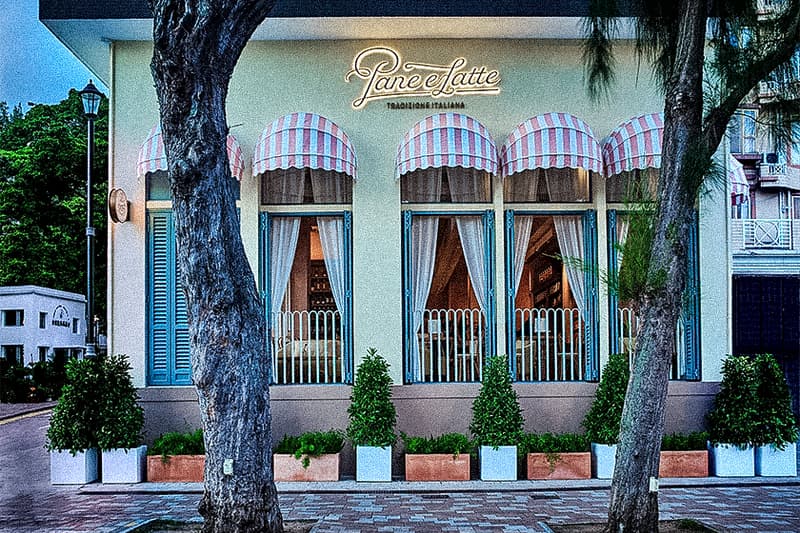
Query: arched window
{"x": 551, "y": 284}
{"x": 448, "y": 263}
{"x": 168, "y": 360}
{"x": 307, "y": 167}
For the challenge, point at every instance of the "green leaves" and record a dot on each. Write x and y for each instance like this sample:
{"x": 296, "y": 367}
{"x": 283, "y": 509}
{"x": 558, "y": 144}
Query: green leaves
{"x": 177, "y": 443}
{"x": 603, "y": 418}
{"x": 449, "y": 443}
{"x": 550, "y": 443}
{"x": 678, "y": 442}
{"x": 372, "y": 413}
{"x": 776, "y": 424}
{"x": 496, "y": 414}
{"x": 98, "y": 407}
{"x": 734, "y": 416}
{"x": 311, "y": 444}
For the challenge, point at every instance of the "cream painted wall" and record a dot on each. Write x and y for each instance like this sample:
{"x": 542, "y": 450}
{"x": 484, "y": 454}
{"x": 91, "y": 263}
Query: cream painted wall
{"x": 275, "y": 78}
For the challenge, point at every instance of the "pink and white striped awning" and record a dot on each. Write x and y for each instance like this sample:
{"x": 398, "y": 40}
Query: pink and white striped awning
{"x": 737, "y": 178}
{"x": 153, "y": 158}
{"x": 635, "y": 144}
{"x": 447, "y": 140}
{"x": 551, "y": 140}
{"x": 304, "y": 140}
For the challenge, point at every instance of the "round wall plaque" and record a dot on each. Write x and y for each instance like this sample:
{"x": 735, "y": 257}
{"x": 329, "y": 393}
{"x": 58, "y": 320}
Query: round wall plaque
{"x": 118, "y": 205}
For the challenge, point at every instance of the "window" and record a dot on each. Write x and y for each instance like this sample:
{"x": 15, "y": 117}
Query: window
{"x": 42, "y": 320}
{"x": 634, "y": 186}
{"x": 446, "y": 185}
{"x": 294, "y": 186}
{"x": 75, "y": 325}
{"x": 13, "y": 354}
{"x": 552, "y": 298}
{"x": 796, "y": 206}
{"x": 742, "y": 131}
{"x": 13, "y": 317}
{"x": 562, "y": 185}
{"x": 794, "y": 147}
{"x": 43, "y": 351}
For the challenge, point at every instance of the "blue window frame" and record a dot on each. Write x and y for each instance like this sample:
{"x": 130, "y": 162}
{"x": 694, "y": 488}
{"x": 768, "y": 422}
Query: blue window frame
{"x": 549, "y": 342}
{"x": 448, "y": 345}
{"x": 686, "y": 360}
{"x": 313, "y": 345}
{"x": 168, "y": 359}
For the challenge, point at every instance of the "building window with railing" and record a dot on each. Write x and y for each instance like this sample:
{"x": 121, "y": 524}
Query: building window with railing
{"x": 306, "y": 243}
{"x": 445, "y": 166}
{"x": 168, "y": 358}
{"x": 548, "y": 163}
{"x": 742, "y": 131}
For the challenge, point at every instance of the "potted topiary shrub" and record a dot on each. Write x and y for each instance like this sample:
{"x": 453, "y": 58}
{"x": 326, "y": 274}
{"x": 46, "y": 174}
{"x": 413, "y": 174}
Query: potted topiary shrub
{"x": 177, "y": 456}
{"x": 442, "y": 458}
{"x": 497, "y": 422}
{"x": 311, "y": 456}
{"x": 776, "y": 426}
{"x": 732, "y": 420}
{"x": 603, "y": 418}
{"x": 120, "y": 424}
{"x": 684, "y": 455}
{"x": 552, "y": 456}
{"x": 372, "y": 419}
{"x": 72, "y": 435}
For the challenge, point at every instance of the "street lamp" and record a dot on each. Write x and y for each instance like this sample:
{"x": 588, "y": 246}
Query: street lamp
{"x": 90, "y": 97}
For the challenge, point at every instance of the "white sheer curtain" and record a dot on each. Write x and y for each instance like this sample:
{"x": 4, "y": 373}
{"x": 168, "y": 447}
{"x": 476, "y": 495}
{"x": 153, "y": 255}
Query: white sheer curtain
{"x": 331, "y": 237}
{"x": 468, "y": 185}
{"x": 424, "y": 231}
{"x": 283, "y": 244}
{"x": 569, "y": 231}
{"x": 622, "y": 235}
{"x": 522, "y": 235}
{"x": 470, "y": 231}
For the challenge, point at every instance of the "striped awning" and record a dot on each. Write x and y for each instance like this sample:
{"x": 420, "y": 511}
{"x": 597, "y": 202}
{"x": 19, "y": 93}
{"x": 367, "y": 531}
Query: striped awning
{"x": 304, "y": 140}
{"x": 447, "y": 140}
{"x": 153, "y": 158}
{"x": 551, "y": 140}
{"x": 635, "y": 144}
{"x": 736, "y": 176}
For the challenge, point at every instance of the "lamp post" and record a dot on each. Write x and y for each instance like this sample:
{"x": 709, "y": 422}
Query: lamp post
{"x": 90, "y": 97}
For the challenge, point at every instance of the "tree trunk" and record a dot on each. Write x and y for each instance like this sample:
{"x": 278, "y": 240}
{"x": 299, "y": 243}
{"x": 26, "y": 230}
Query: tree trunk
{"x": 197, "y": 45}
{"x": 634, "y": 506}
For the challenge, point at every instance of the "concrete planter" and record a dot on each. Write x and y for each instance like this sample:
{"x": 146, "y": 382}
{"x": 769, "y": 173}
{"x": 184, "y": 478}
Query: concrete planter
{"x": 727, "y": 460}
{"x": 323, "y": 468}
{"x": 604, "y": 457}
{"x": 373, "y": 463}
{"x": 437, "y": 467}
{"x": 690, "y": 463}
{"x": 560, "y": 466}
{"x": 68, "y": 469}
{"x": 772, "y": 462}
{"x": 179, "y": 468}
{"x": 125, "y": 465}
{"x": 498, "y": 464}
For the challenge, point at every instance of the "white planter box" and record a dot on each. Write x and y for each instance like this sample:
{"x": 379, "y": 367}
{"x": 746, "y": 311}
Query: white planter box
{"x": 66, "y": 469}
{"x": 498, "y": 464}
{"x": 604, "y": 458}
{"x": 373, "y": 463}
{"x": 125, "y": 465}
{"x": 727, "y": 460}
{"x": 772, "y": 462}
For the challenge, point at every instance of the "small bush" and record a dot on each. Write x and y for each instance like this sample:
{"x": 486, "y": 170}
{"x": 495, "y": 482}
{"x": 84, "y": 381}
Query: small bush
{"x": 449, "y": 443}
{"x": 775, "y": 422}
{"x": 311, "y": 444}
{"x": 734, "y": 416}
{"x": 76, "y": 417}
{"x": 603, "y": 418}
{"x": 550, "y": 443}
{"x": 177, "y": 443}
{"x": 496, "y": 414}
{"x": 371, "y": 411}
{"x": 678, "y": 442}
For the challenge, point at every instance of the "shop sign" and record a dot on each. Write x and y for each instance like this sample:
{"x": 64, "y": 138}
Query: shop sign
{"x": 386, "y": 75}
{"x": 61, "y": 317}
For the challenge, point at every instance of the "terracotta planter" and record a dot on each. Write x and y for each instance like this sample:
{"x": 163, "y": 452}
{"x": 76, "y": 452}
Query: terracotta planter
{"x": 565, "y": 466}
{"x": 185, "y": 468}
{"x": 322, "y": 468}
{"x": 437, "y": 467}
{"x": 691, "y": 463}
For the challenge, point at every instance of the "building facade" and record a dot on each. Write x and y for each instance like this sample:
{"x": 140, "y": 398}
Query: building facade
{"x": 39, "y": 324}
{"x": 436, "y": 185}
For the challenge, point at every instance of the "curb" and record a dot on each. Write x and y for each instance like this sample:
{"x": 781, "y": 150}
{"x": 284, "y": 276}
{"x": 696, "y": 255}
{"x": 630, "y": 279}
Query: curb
{"x": 27, "y": 412}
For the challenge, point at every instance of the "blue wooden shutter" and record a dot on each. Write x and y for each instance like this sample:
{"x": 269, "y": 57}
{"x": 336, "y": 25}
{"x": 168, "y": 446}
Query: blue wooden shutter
{"x": 408, "y": 334}
{"x": 347, "y": 315}
{"x": 691, "y": 308}
{"x": 614, "y": 327}
{"x": 159, "y": 297}
{"x": 591, "y": 304}
{"x": 511, "y": 275}
{"x": 182, "y": 362}
{"x": 488, "y": 239}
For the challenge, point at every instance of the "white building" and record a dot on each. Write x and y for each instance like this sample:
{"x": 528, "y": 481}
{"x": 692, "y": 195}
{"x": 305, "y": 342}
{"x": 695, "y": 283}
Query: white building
{"x": 37, "y": 323}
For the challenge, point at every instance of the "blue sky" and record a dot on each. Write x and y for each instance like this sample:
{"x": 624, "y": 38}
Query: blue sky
{"x": 34, "y": 65}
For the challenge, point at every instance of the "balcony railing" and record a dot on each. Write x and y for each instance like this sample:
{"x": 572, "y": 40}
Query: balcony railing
{"x": 767, "y": 233}
{"x": 773, "y": 170}
{"x": 451, "y": 345}
{"x": 550, "y": 345}
{"x": 628, "y": 330}
{"x": 307, "y": 347}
